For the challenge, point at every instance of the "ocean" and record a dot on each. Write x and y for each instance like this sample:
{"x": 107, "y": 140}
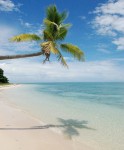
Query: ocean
{"x": 86, "y": 113}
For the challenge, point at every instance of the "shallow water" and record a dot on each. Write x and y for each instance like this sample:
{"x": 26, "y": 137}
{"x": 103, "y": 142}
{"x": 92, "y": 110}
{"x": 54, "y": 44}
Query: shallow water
{"x": 88, "y": 113}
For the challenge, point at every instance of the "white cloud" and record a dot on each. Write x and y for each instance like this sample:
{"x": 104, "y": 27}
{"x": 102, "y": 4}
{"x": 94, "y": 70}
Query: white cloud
{"x": 6, "y": 32}
{"x": 105, "y": 24}
{"x": 7, "y": 47}
{"x": 25, "y": 24}
{"x": 103, "y": 48}
{"x": 109, "y": 19}
{"x": 8, "y": 5}
{"x": 112, "y": 7}
{"x": 28, "y": 70}
{"x": 82, "y": 17}
{"x": 120, "y": 43}
{"x": 37, "y": 28}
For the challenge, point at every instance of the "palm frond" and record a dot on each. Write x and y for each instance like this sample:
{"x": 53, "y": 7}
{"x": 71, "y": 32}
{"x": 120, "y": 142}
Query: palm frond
{"x": 63, "y": 15}
{"x": 44, "y": 44}
{"x": 48, "y": 23}
{"x": 54, "y": 15}
{"x": 54, "y": 23}
{"x": 25, "y": 37}
{"x": 47, "y": 35}
{"x": 62, "y": 60}
{"x": 68, "y": 25}
{"x": 73, "y": 50}
{"x": 53, "y": 48}
{"x": 61, "y": 34}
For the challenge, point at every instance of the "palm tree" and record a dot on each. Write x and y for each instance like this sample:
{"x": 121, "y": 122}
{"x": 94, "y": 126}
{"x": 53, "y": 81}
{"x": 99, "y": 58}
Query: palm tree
{"x": 54, "y": 32}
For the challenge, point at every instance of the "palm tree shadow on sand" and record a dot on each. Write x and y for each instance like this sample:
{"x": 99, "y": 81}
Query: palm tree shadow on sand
{"x": 69, "y": 127}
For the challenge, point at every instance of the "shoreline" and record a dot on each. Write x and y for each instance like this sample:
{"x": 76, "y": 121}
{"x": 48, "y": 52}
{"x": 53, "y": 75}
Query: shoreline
{"x": 20, "y": 130}
{"x": 6, "y": 86}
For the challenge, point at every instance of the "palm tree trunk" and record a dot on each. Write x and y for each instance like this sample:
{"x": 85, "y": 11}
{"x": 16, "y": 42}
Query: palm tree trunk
{"x": 20, "y": 56}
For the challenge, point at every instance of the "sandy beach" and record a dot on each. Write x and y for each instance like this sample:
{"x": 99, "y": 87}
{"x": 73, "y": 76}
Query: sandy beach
{"x": 20, "y": 131}
{"x": 3, "y": 87}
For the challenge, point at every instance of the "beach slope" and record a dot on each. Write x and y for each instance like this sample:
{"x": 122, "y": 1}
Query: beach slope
{"x": 20, "y": 131}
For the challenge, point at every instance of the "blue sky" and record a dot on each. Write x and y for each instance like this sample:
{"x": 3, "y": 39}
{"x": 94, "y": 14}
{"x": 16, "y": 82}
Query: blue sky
{"x": 97, "y": 28}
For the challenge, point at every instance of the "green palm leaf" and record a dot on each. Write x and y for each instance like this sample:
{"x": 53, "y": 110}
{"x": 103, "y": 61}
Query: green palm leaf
{"x": 53, "y": 48}
{"x": 54, "y": 15}
{"x": 73, "y": 50}
{"x": 63, "y": 16}
{"x": 61, "y": 34}
{"x": 62, "y": 60}
{"x": 48, "y": 23}
{"x": 68, "y": 25}
{"x": 25, "y": 37}
{"x": 47, "y": 35}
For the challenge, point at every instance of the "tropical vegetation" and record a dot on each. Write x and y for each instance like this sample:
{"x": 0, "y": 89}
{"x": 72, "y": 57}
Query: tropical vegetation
{"x": 54, "y": 32}
{"x": 3, "y": 79}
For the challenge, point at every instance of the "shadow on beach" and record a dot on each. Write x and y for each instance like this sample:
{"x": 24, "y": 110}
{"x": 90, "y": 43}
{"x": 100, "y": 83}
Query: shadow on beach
{"x": 69, "y": 127}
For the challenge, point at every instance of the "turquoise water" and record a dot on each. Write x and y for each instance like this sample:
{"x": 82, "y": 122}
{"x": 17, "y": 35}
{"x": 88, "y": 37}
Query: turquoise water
{"x": 86, "y": 113}
{"x": 105, "y": 93}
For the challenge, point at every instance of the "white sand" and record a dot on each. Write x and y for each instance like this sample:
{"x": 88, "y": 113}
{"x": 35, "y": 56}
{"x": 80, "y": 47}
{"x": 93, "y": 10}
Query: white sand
{"x": 12, "y": 138}
{"x": 9, "y": 86}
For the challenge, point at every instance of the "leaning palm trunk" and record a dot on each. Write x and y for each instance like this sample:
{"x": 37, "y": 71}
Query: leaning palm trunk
{"x": 20, "y": 56}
